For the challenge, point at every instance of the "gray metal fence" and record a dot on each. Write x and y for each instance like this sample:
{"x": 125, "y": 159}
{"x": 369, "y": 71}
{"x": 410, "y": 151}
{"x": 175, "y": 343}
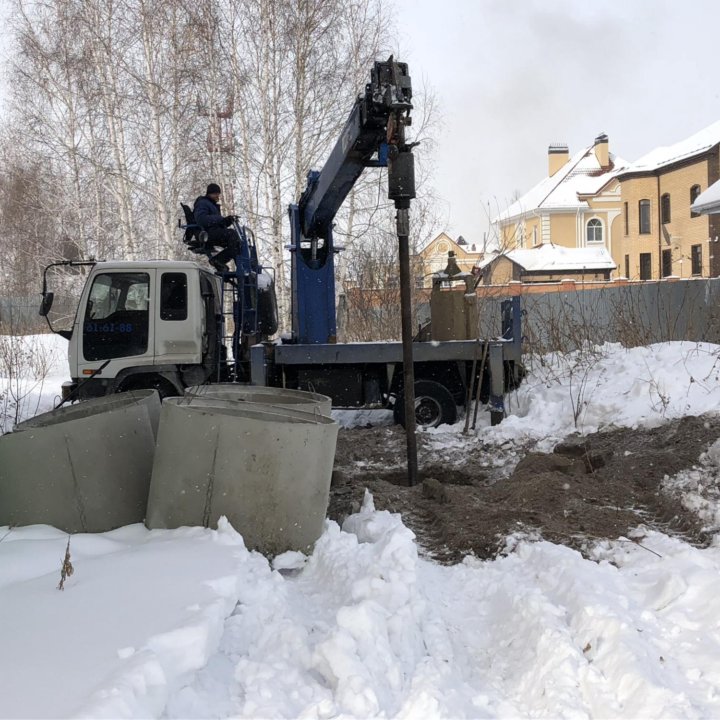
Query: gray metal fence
{"x": 633, "y": 315}
{"x": 19, "y": 314}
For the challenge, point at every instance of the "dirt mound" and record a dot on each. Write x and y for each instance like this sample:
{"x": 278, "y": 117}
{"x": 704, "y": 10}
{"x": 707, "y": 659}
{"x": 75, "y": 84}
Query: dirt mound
{"x": 472, "y": 496}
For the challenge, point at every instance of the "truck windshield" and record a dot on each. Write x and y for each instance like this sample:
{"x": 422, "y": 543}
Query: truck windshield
{"x": 115, "y": 323}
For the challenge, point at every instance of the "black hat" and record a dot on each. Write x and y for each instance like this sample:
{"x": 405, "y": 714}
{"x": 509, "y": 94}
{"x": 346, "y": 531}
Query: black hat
{"x": 213, "y": 188}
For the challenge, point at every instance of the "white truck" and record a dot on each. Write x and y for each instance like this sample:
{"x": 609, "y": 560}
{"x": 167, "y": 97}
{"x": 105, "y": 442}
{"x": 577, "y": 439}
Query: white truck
{"x": 172, "y": 324}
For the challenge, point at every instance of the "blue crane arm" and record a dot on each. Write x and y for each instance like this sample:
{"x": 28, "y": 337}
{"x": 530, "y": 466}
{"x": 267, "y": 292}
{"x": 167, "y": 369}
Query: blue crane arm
{"x": 326, "y": 190}
{"x": 375, "y": 125}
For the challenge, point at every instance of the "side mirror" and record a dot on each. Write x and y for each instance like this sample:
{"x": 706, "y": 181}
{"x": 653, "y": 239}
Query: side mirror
{"x": 46, "y": 303}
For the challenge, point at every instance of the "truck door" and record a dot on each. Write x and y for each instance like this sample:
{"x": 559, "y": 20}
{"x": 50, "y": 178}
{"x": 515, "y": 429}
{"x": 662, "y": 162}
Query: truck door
{"x": 116, "y": 322}
{"x": 178, "y": 336}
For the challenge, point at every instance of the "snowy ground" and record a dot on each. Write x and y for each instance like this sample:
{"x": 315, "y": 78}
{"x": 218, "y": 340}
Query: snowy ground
{"x": 188, "y": 623}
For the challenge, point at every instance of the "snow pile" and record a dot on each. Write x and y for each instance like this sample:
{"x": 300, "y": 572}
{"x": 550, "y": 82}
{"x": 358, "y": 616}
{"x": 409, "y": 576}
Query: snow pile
{"x": 368, "y": 629}
{"x": 187, "y": 623}
{"x": 699, "y": 487}
{"x": 363, "y": 417}
{"x": 140, "y": 610}
{"x": 605, "y": 387}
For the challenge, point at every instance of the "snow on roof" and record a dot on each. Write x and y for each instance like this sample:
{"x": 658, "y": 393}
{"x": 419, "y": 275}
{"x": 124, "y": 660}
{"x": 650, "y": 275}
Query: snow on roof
{"x": 694, "y": 145}
{"x": 486, "y": 259}
{"x": 708, "y": 202}
{"x": 581, "y": 175}
{"x": 555, "y": 257}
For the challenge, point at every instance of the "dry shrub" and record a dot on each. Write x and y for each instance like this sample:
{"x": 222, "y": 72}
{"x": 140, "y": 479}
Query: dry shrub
{"x": 25, "y": 363}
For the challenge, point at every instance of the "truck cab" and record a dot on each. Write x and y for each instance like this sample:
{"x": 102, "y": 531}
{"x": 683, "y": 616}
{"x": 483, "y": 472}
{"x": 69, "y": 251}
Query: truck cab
{"x": 145, "y": 324}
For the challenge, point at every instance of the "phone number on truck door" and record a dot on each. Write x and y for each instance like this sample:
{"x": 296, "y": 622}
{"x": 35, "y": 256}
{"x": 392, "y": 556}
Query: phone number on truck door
{"x": 108, "y": 327}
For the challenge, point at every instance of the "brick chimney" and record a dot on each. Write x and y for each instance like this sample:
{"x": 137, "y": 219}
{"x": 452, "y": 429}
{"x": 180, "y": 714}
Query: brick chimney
{"x": 602, "y": 150}
{"x": 558, "y": 155}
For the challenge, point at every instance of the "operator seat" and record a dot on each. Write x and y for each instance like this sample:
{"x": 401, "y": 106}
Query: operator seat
{"x": 192, "y": 232}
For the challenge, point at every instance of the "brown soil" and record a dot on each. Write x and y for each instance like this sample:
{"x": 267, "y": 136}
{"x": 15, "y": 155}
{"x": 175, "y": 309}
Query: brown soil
{"x": 470, "y": 497}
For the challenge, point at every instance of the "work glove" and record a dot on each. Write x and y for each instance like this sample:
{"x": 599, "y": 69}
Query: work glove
{"x": 229, "y": 220}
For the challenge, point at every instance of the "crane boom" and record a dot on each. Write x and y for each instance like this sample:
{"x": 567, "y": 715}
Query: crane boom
{"x": 373, "y": 133}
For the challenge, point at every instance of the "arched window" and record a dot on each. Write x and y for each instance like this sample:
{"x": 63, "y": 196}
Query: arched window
{"x": 665, "y": 208}
{"x": 594, "y": 231}
{"x": 694, "y": 192}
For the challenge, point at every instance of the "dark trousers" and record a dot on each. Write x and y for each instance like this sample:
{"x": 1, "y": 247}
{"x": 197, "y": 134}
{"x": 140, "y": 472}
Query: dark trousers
{"x": 225, "y": 238}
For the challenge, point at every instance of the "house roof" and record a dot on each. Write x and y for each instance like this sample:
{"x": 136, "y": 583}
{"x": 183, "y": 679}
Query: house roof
{"x": 694, "y": 145}
{"x": 581, "y": 175}
{"x": 708, "y": 202}
{"x": 486, "y": 260}
{"x": 460, "y": 246}
{"x": 554, "y": 258}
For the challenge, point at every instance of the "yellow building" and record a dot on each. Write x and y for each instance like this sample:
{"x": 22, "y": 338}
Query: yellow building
{"x": 640, "y": 212}
{"x": 434, "y": 257}
{"x": 661, "y": 235}
{"x": 578, "y": 205}
{"x": 549, "y": 264}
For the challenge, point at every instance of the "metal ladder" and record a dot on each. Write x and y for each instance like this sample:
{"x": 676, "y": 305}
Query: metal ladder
{"x": 239, "y": 302}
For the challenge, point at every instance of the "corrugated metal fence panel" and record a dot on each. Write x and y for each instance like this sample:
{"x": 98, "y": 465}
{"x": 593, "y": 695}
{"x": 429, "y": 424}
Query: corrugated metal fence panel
{"x": 19, "y": 314}
{"x": 629, "y": 314}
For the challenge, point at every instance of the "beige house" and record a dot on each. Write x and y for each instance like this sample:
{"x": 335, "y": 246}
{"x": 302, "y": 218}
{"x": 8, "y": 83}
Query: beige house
{"x": 434, "y": 258}
{"x": 640, "y": 212}
{"x": 661, "y": 235}
{"x": 549, "y": 263}
{"x": 578, "y": 205}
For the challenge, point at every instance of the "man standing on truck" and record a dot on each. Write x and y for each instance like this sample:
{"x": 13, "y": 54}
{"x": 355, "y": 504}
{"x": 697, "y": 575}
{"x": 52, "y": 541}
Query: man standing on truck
{"x": 218, "y": 227}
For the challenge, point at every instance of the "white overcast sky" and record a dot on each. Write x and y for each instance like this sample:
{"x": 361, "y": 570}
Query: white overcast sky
{"x": 514, "y": 76}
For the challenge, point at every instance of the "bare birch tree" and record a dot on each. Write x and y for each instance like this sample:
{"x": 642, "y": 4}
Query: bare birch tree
{"x": 137, "y": 105}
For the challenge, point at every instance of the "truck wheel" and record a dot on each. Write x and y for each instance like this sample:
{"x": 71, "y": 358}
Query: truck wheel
{"x": 434, "y": 405}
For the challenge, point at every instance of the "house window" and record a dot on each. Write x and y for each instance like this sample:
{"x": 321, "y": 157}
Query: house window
{"x": 665, "y": 208}
{"x": 666, "y": 263}
{"x": 644, "y": 211}
{"x": 645, "y": 266}
{"x": 627, "y": 262}
{"x": 534, "y": 236}
{"x": 594, "y": 231}
{"x": 627, "y": 218}
{"x": 419, "y": 282}
{"x": 696, "y": 259}
{"x": 694, "y": 192}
